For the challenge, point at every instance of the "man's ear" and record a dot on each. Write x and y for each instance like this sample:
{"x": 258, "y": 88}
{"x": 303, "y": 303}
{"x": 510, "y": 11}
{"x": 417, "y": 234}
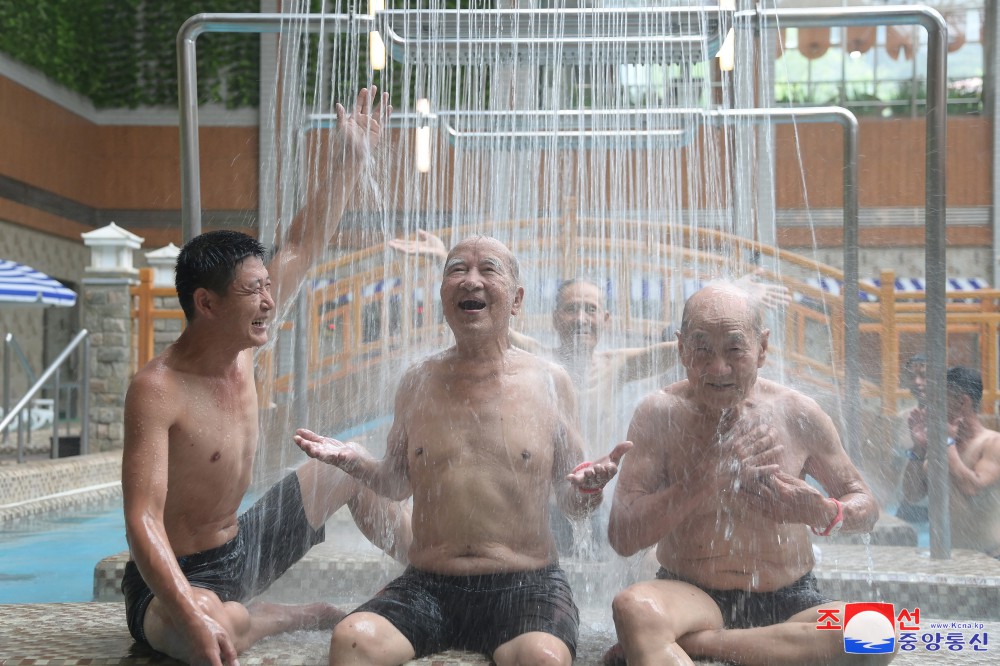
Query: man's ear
{"x": 518, "y": 299}
{"x": 762, "y": 356}
{"x": 204, "y": 301}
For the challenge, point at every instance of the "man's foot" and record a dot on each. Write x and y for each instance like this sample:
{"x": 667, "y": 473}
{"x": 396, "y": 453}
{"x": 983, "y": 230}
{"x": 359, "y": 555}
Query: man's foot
{"x": 615, "y": 656}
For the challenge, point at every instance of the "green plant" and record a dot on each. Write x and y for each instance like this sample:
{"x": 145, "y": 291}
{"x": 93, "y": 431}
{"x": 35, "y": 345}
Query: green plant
{"x": 122, "y": 53}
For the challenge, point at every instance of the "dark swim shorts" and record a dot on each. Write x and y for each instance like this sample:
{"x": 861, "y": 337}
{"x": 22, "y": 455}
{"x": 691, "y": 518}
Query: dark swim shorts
{"x": 477, "y": 613}
{"x": 273, "y": 535}
{"x": 742, "y": 609}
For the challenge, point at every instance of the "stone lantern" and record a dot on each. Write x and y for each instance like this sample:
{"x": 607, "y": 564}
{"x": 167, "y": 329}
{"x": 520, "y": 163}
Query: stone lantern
{"x": 111, "y": 250}
{"x": 162, "y": 262}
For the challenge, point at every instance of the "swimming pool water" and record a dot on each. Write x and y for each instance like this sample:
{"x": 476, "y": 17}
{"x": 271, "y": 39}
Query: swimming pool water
{"x": 52, "y": 559}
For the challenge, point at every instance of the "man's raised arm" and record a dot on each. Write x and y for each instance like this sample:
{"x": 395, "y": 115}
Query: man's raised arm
{"x": 335, "y": 166}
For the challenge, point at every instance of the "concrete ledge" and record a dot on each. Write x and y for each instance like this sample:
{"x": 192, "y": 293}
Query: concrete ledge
{"x": 94, "y": 634}
{"x": 966, "y": 587}
{"x": 37, "y": 487}
{"x": 78, "y": 634}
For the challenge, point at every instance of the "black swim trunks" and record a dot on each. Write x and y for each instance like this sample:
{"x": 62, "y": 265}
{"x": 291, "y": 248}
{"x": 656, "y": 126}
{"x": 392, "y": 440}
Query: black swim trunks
{"x": 742, "y": 609}
{"x": 477, "y": 613}
{"x": 273, "y": 535}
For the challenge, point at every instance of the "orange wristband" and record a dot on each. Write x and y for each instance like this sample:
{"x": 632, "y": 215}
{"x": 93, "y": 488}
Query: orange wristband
{"x": 835, "y": 524}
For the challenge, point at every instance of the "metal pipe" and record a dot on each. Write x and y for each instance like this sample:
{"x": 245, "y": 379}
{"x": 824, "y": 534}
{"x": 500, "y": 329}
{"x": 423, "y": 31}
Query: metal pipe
{"x": 461, "y": 32}
{"x": 187, "y": 87}
{"x": 6, "y": 377}
{"x": 926, "y": 17}
{"x": 934, "y": 211}
{"x": 85, "y": 398}
{"x": 54, "y": 444}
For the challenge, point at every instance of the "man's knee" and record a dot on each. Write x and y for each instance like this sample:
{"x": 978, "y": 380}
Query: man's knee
{"x": 635, "y": 609}
{"x": 165, "y": 636}
{"x": 365, "y": 638}
{"x": 533, "y": 649}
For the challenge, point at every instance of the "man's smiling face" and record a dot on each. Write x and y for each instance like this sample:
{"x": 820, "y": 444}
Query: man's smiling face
{"x": 579, "y": 317}
{"x": 479, "y": 290}
{"x": 721, "y": 346}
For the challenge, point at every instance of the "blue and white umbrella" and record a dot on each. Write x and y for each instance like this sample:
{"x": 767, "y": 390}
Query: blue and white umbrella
{"x": 24, "y": 285}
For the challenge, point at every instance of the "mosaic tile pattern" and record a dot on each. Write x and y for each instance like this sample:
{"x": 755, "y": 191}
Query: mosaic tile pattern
{"x": 965, "y": 587}
{"x": 47, "y": 485}
{"x": 889, "y": 531}
{"x": 95, "y": 634}
{"x": 72, "y": 634}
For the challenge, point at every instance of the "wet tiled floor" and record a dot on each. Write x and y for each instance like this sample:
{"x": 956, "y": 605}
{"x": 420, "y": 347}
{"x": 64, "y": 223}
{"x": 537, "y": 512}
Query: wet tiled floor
{"x": 966, "y": 587}
{"x": 95, "y": 634}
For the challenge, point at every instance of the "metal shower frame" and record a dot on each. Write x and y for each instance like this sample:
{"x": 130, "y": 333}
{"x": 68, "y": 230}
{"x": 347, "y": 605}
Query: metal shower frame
{"x": 745, "y": 21}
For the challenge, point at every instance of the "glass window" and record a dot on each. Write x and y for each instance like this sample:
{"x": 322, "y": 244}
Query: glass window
{"x": 887, "y": 78}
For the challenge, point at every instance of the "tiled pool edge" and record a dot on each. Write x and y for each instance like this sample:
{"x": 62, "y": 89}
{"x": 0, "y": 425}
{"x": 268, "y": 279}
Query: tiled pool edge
{"x": 966, "y": 587}
{"x": 38, "y": 487}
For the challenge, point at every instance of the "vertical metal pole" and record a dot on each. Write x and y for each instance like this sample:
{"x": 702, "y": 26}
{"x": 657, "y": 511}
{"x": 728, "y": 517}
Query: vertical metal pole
{"x": 6, "y": 381}
{"x": 852, "y": 316}
{"x": 20, "y": 438}
{"x": 54, "y": 452}
{"x": 187, "y": 100}
{"x": 992, "y": 110}
{"x": 934, "y": 253}
{"x": 935, "y": 259}
{"x": 85, "y": 398}
{"x": 187, "y": 88}
{"x": 267, "y": 132}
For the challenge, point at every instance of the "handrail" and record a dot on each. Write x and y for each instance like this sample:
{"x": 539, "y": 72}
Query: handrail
{"x": 11, "y": 344}
{"x": 53, "y": 371}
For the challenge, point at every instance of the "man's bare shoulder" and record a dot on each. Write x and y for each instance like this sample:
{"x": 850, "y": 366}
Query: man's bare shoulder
{"x": 991, "y": 443}
{"x": 159, "y": 377}
{"x": 665, "y": 400}
{"x": 542, "y": 363}
{"x": 157, "y": 398}
{"x": 793, "y": 401}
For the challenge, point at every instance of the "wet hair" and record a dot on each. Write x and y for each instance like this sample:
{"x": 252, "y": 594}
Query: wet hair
{"x": 566, "y": 284}
{"x": 966, "y": 381}
{"x": 916, "y": 359}
{"x": 515, "y": 266}
{"x": 209, "y": 261}
{"x": 753, "y": 305}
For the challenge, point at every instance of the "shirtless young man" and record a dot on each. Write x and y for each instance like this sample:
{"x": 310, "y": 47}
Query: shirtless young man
{"x": 716, "y": 482}
{"x": 973, "y": 464}
{"x": 191, "y": 433}
{"x": 482, "y": 434}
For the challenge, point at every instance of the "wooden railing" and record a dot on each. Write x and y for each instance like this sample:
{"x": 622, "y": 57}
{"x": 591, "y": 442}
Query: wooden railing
{"x": 151, "y": 304}
{"x": 972, "y": 321}
{"x": 372, "y": 306}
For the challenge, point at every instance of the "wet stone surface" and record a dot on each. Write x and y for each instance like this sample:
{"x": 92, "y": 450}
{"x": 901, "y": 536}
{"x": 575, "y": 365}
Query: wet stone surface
{"x": 95, "y": 634}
